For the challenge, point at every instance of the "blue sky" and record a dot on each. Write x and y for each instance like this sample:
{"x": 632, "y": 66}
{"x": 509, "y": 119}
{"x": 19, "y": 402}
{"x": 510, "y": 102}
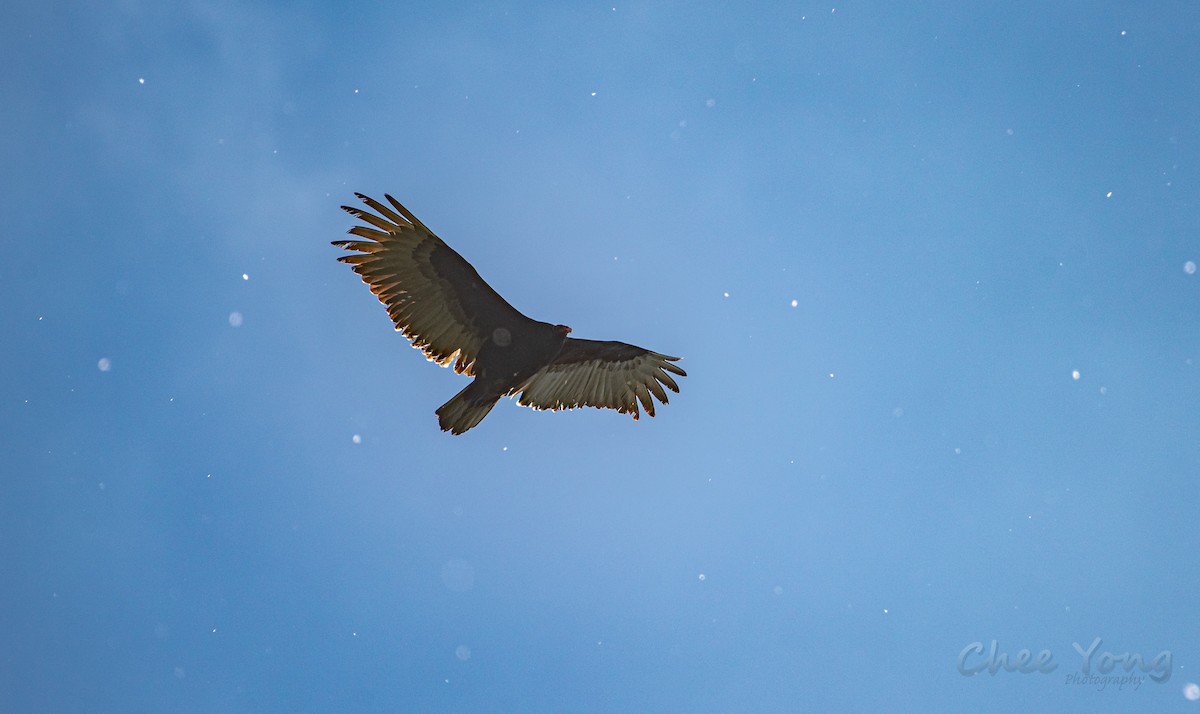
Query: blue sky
{"x": 931, "y": 269}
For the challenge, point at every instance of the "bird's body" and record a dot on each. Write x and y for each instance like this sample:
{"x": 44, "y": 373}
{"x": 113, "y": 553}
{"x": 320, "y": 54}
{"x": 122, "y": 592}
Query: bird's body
{"x": 502, "y": 370}
{"x": 441, "y": 303}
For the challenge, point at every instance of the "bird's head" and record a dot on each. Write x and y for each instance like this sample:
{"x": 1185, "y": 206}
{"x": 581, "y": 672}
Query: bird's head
{"x": 563, "y": 329}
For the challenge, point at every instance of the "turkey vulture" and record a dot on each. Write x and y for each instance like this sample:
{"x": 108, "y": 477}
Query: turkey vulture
{"x": 439, "y": 302}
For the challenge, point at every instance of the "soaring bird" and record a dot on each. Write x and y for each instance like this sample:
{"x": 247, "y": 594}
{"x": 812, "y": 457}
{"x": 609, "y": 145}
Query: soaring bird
{"x": 439, "y": 302}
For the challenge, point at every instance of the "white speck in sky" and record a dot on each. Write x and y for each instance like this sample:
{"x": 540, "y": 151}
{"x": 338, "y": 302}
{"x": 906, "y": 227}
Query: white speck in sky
{"x": 1122, "y": 33}
{"x": 245, "y": 276}
{"x": 1191, "y": 691}
{"x": 505, "y": 448}
{"x": 356, "y": 439}
{"x": 795, "y": 303}
{"x": 104, "y": 364}
{"x": 726, "y": 294}
{"x": 141, "y": 80}
{"x": 1108, "y": 195}
{"x": 1190, "y": 267}
{"x": 831, "y": 375}
{"x": 593, "y": 94}
{"x": 885, "y": 611}
{"x": 701, "y": 576}
{"x": 1075, "y": 375}
{"x": 463, "y": 653}
{"x": 235, "y": 319}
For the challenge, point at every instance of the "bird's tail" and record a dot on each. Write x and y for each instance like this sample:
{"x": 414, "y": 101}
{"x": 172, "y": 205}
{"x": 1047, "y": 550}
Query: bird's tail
{"x": 466, "y": 409}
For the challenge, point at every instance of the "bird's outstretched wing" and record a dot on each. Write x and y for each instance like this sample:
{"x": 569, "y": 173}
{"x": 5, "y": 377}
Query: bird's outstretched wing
{"x": 608, "y": 375}
{"x": 432, "y": 294}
